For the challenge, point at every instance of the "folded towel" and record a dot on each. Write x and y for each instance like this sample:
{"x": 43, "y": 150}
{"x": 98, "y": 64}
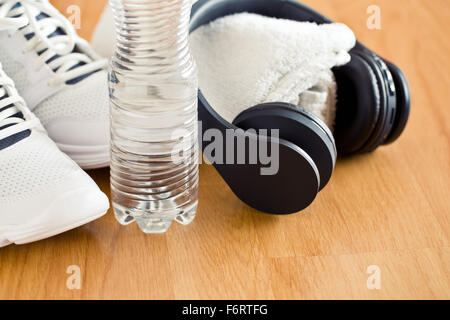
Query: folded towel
{"x": 247, "y": 59}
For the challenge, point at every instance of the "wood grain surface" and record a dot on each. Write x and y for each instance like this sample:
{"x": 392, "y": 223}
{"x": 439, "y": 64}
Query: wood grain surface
{"x": 389, "y": 209}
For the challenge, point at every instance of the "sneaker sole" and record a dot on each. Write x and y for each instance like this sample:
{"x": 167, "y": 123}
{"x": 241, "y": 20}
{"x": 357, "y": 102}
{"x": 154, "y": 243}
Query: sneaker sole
{"x": 87, "y": 157}
{"x": 45, "y": 235}
{"x": 40, "y": 229}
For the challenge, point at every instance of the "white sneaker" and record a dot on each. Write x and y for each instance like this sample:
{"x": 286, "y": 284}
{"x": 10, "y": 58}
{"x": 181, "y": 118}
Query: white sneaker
{"x": 61, "y": 78}
{"x": 42, "y": 191}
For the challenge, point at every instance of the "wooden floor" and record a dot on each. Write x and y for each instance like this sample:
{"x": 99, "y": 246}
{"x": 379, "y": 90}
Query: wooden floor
{"x": 389, "y": 209}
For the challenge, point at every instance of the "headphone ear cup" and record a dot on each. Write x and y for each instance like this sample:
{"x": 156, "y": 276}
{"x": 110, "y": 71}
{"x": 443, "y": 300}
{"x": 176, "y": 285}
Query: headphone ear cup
{"x": 292, "y": 188}
{"x": 298, "y": 127}
{"x": 280, "y": 191}
{"x": 358, "y": 106}
{"x": 386, "y": 87}
{"x": 403, "y": 102}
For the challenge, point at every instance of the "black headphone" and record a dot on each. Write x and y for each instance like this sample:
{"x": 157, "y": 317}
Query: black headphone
{"x": 373, "y": 109}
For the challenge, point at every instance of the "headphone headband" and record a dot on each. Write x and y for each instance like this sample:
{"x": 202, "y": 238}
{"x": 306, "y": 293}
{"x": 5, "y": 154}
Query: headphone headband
{"x": 296, "y": 184}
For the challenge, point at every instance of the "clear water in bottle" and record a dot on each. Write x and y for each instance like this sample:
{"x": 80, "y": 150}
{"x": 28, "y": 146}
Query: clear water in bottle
{"x": 153, "y": 91}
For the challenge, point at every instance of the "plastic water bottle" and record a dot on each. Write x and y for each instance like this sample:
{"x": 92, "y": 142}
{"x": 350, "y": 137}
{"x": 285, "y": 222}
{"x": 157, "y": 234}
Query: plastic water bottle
{"x": 153, "y": 91}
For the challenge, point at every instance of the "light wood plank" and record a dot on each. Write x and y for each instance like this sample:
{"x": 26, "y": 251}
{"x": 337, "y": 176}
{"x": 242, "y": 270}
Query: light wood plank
{"x": 390, "y": 208}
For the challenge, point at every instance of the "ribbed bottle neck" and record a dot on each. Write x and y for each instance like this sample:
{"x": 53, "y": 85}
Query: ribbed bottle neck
{"x": 152, "y": 35}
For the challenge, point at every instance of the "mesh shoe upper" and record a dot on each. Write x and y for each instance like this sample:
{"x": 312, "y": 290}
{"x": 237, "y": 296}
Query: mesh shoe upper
{"x": 86, "y": 100}
{"x": 55, "y": 71}
{"x": 13, "y": 67}
{"x": 30, "y": 166}
{"x": 42, "y": 191}
{"x": 29, "y": 161}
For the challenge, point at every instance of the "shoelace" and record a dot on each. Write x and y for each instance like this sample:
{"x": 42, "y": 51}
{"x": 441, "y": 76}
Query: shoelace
{"x": 12, "y": 106}
{"x": 57, "y": 50}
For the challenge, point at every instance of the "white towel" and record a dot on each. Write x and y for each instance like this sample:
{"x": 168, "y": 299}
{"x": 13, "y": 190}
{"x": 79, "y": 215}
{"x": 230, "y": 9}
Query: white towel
{"x": 247, "y": 59}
